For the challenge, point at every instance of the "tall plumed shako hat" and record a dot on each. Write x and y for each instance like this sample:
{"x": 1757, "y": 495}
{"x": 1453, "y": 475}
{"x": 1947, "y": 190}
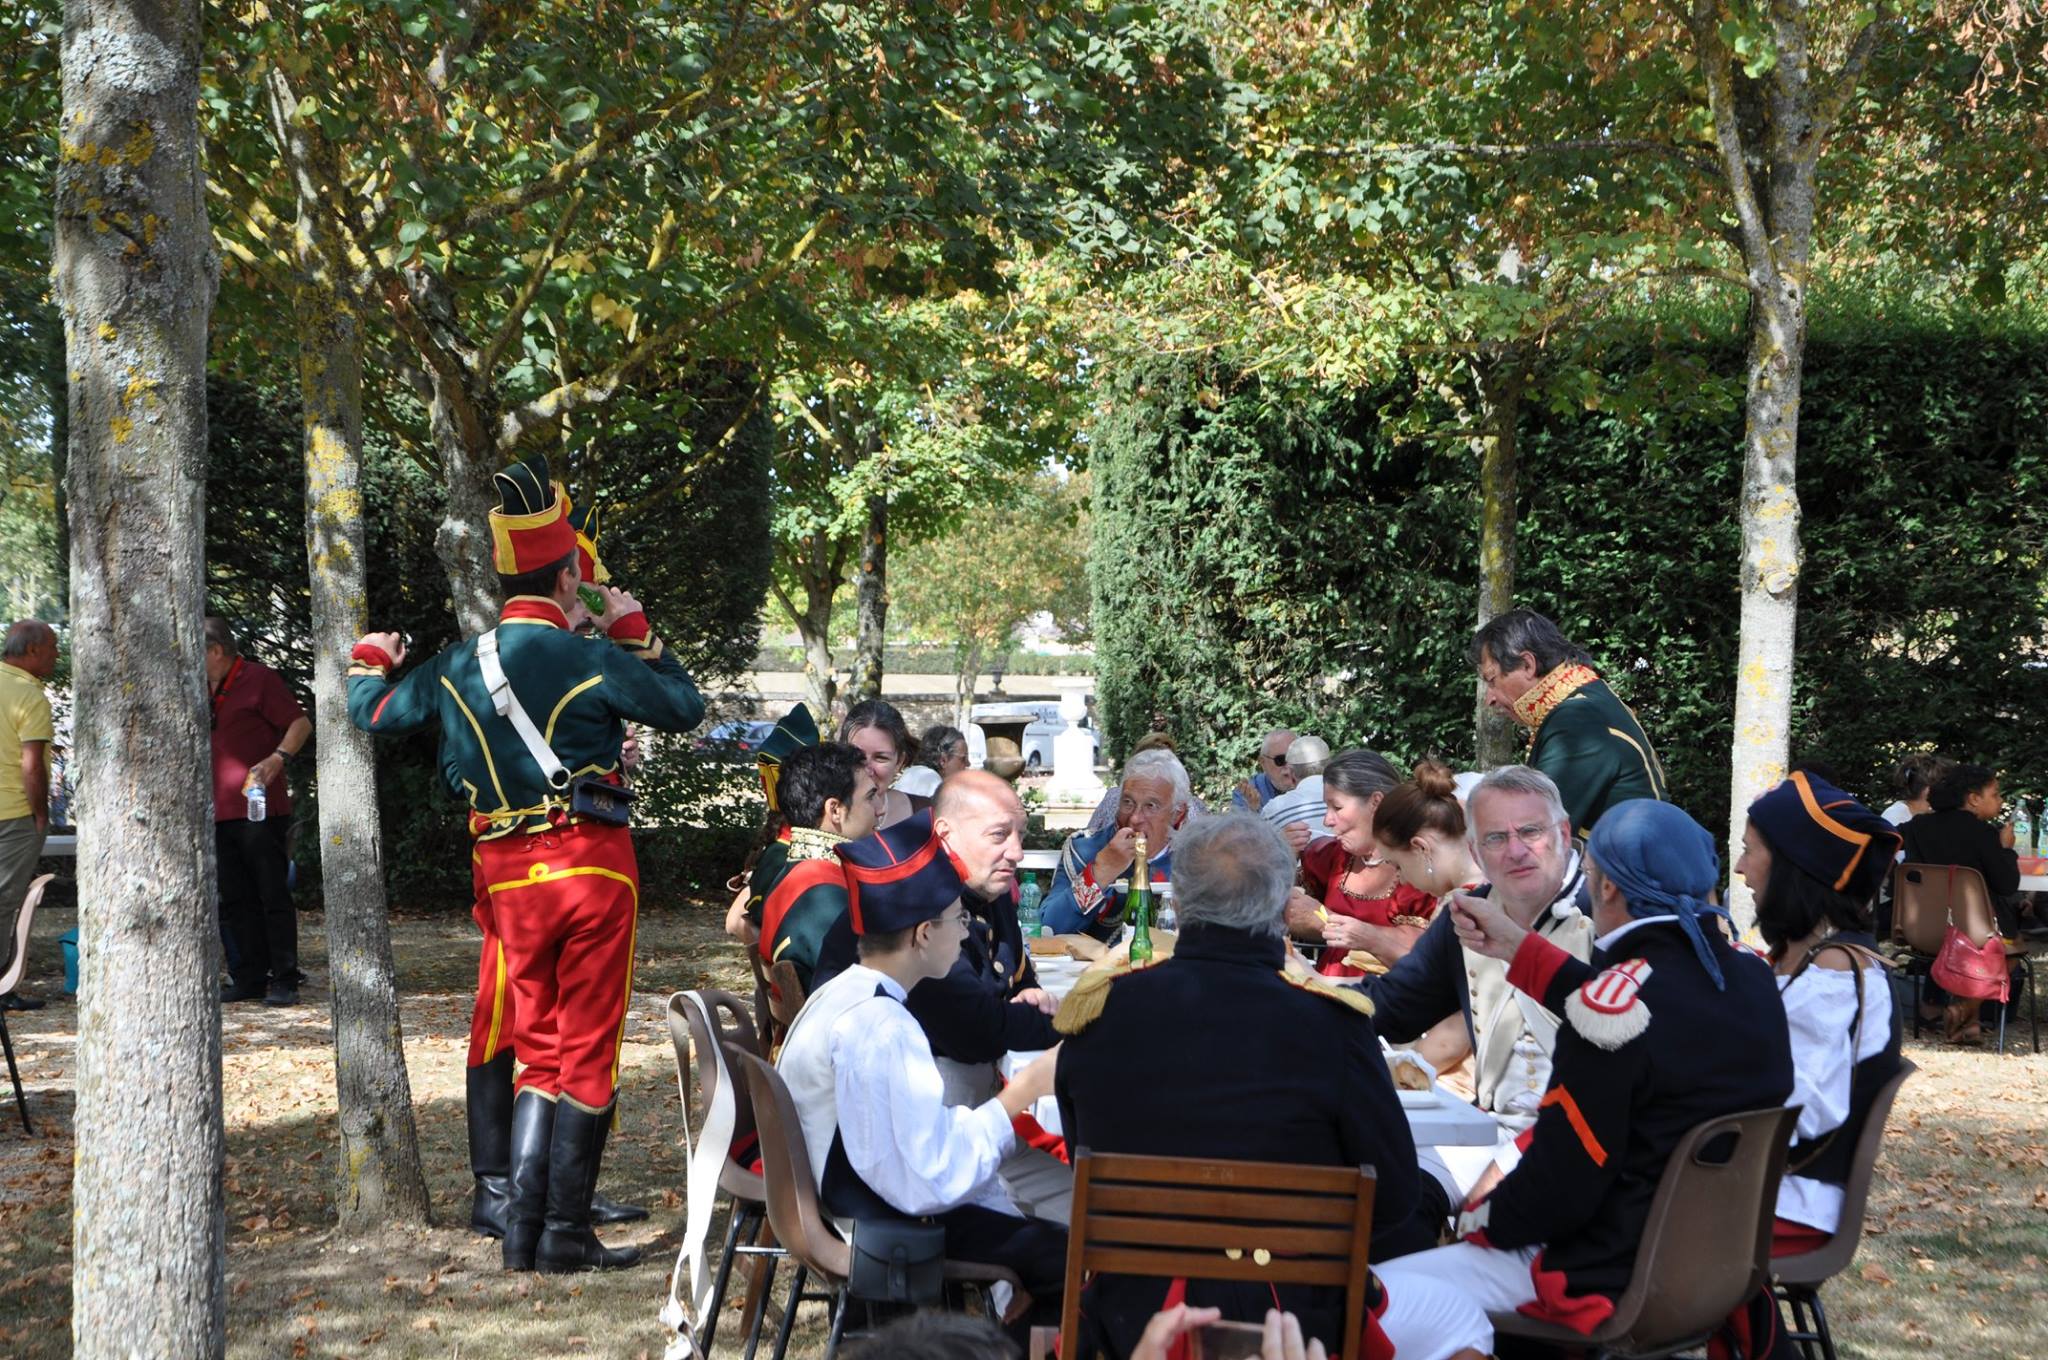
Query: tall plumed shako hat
{"x": 1828, "y": 834}
{"x": 530, "y": 528}
{"x": 796, "y": 731}
{"x": 899, "y": 877}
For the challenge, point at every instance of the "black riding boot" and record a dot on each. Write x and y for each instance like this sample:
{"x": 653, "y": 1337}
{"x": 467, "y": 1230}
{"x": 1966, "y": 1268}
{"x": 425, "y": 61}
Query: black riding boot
{"x": 489, "y": 1110}
{"x": 566, "y": 1241}
{"x": 533, "y": 1133}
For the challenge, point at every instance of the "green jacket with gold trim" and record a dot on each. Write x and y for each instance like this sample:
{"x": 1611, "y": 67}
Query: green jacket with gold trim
{"x": 579, "y": 691}
{"x": 1589, "y": 742}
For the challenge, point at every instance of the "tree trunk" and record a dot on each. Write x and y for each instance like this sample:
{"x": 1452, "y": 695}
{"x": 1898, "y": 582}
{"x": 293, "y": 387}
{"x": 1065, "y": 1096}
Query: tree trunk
{"x": 57, "y": 380}
{"x": 967, "y": 663}
{"x": 873, "y": 601}
{"x": 1502, "y": 382}
{"x": 135, "y": 274}
{"x": 378, "y": 1178}
{"x": 814, "y": 629}
{"x": 1771, "y": 559}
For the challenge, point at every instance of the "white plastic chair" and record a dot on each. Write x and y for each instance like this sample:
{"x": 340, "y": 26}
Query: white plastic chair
{"x": 22, "y": 920}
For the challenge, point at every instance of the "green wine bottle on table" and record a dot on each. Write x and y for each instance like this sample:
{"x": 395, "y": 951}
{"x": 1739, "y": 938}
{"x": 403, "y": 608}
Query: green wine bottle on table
{"x": 1141, "y": 905}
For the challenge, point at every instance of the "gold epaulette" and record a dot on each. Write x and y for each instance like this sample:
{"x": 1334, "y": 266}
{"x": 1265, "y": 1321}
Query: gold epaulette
{"x": 1083, "y": 1006}
{"x": 1317, "y": 985}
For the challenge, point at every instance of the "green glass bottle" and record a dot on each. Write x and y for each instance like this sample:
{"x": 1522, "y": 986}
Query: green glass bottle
{"x": 1140, "y": 906}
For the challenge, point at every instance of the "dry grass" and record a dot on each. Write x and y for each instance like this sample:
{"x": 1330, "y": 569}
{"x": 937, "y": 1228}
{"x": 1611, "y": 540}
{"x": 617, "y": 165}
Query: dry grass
{"x": 1954, "y": 1263}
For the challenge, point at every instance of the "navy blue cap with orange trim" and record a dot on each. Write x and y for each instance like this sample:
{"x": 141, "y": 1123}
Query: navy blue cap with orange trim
{"x": 899, "y": 877}
{"x": 1827, "y": 834}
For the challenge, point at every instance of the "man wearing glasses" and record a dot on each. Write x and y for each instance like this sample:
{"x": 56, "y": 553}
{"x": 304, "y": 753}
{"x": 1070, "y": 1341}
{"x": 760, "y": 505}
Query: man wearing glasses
{"x": 1272, "y": 777}
{"x": 1521, "y": 837}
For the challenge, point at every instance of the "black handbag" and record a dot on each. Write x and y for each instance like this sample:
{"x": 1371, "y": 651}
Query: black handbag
{"x": 897, "y": 1260}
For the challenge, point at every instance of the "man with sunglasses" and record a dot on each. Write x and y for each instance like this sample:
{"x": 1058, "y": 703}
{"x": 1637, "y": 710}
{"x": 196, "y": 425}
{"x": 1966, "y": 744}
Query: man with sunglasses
{"x": 1516, "y": 823}
{"x": 1272, "y": 777}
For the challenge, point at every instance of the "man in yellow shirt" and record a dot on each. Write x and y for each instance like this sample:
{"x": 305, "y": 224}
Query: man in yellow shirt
{"x": 27, "y": 660}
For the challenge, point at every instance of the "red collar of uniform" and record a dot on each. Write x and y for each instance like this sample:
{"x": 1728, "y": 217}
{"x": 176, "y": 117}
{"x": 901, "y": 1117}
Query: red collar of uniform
{"x": 1538, "y": 701}
{"x": 533, "y": 609}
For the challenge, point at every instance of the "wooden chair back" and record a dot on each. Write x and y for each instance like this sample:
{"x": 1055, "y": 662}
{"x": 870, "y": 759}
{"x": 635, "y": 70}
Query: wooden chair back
{"x": 1220, "y": 1220}
{"x": 1927, "y": 897}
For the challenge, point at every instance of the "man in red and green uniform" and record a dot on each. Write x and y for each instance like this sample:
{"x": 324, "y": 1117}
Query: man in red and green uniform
{"x": 1580, "y": 732}
{"x": 829, "y": 798}
{"x": 488, "y": 1106}
{"x": 558, "y": 891}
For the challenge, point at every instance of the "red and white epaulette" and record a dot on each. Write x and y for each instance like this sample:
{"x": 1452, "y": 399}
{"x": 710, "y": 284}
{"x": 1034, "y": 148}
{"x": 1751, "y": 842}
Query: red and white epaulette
{"x": 1609, "y": 1010}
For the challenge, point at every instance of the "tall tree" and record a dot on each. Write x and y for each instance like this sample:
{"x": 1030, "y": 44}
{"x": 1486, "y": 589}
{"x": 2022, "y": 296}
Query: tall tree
{"x": 135, "y": 271}
{"x": 378, "y": 1177}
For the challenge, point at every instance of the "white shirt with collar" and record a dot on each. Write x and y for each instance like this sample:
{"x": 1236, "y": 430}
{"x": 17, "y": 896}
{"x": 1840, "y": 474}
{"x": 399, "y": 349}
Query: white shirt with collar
{"x": 858, "y": 1064}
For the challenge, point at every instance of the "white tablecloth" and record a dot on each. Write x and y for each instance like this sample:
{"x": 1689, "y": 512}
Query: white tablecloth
{"x": 1450, "y": 1122}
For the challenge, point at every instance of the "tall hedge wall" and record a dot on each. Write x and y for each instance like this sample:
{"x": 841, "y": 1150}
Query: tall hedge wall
{"x": 1260, "y": 561}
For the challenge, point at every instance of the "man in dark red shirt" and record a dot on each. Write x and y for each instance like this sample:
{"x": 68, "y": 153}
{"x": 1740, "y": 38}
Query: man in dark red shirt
{"x": 257, "y": 728}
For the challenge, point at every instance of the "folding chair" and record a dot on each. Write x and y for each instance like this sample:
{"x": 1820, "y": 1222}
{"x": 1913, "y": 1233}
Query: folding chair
{"x": 1706, "y": 1246}
{"x": 1218, "y": 1220}
{"x": 1799, "y": 1278}
{"x": 1926, "y": 899}
{"x": 23, "y": 919}
{"x": 800, "y": 1222}
{"x": 746, "y": 1195}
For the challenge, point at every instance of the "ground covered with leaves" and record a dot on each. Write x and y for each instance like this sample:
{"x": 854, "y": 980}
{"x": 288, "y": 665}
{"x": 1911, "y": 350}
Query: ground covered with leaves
{"x": 1954, "y": 1258}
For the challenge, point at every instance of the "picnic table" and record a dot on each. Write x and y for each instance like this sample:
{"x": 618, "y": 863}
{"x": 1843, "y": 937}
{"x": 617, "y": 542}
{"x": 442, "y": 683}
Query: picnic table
{"x": 1436, "y": 1117}
{"x": 2033, "y": 873}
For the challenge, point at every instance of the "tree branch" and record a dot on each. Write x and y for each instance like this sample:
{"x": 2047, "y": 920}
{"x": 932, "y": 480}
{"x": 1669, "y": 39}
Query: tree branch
{"x": 1840, "y": 87}
{"x": 1697, "y": 157}
{"x": 515, "y": 317}
{"x": 1717, "y": 67}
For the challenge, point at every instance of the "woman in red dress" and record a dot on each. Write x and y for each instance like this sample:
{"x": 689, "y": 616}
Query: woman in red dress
{"x": 1363, "y": 905}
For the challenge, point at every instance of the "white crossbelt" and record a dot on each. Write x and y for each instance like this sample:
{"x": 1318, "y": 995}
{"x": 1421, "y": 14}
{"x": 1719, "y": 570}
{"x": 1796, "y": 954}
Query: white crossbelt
{"x": 507, "y": 703}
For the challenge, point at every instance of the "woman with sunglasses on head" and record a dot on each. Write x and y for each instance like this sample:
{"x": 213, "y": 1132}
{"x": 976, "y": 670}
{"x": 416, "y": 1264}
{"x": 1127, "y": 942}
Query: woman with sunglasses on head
{"x": 878, "y": 732}
{"x": 1360, "y": 901}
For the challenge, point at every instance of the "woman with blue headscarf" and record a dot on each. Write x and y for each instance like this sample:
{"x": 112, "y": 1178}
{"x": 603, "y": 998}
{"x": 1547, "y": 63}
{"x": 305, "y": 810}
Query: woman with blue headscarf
{"x": 1669, "y": 1026}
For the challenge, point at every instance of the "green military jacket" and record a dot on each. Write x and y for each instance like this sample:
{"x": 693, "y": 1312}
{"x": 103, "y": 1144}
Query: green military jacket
{"x": 802, "y": 902}
{"x": 580, "y": 692}
{"x": 1588, "y": 741}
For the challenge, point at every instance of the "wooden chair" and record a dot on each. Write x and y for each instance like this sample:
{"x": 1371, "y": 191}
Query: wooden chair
{"x": 1925, "y": 899}
{"x": 23, "y": 919}
{"x": 747, "y": 1209}
{"x": 1706, "y": 1246}
{"x": 800, "y": 1222}
{"x": 1799, "y": 1278}
{"x": 1219, "y": 1220}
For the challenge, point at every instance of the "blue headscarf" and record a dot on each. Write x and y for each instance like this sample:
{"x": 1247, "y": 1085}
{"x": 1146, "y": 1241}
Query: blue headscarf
{"x": 1664, "y": 862}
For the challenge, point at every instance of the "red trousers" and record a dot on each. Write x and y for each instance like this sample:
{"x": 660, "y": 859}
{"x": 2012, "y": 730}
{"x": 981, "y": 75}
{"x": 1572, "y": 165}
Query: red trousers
{"x": 561, "y": 908}
{"x": 490, "y": 1021}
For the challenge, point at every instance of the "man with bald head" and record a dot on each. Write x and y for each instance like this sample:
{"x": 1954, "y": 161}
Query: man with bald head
{"x": 27, "y": 662}
{"x": 990, "y": 1003}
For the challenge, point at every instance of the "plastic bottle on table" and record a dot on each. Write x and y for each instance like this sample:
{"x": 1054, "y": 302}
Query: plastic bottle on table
{"x": 1028, "y": 899}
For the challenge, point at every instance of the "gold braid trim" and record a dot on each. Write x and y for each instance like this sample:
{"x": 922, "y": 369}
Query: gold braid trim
{"x": 1083, "y": 1006}
{"x": 1547, "y": 693}
{"x": 1315, "y": 983}
{"x": 810, "y": 842}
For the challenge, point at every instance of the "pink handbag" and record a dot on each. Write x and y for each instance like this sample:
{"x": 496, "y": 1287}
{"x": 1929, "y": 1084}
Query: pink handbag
{"x": 1970, "y": 972}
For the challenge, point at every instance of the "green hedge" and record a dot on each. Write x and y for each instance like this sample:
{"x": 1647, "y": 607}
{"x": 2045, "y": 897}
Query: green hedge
{"x": 1260, "y": 560}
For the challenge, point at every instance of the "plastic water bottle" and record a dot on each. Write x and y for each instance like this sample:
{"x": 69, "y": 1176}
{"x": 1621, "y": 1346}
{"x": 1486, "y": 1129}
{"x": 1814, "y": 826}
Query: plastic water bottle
{"x": 2023, "y": 830}
{"x": 259, "y": 802}
{"x": 1028, "y": 899}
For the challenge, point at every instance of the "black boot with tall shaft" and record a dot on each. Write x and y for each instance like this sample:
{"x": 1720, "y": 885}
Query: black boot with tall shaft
{"x": 533, "y": 1135}
{"x": 566, "y": 1241}
{"x": 489, "y": 1110}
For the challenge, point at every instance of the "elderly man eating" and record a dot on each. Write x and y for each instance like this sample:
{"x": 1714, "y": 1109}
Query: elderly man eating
{"x": 1226, "y": 1051}
{"x": 1522, "y": 839}
{"x": 1086, "y": 897}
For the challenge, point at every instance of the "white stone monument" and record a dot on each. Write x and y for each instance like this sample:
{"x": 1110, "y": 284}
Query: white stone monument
{"x": 1073, "y": 786}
